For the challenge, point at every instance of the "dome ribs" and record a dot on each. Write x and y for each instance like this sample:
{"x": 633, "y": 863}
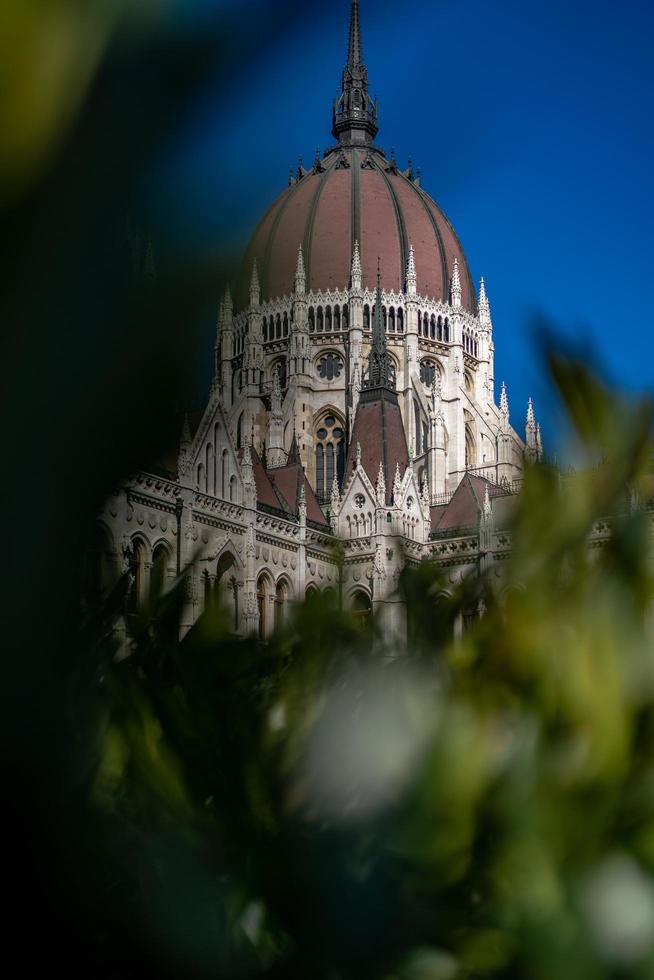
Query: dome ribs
{"x": 286, "y": 236}
{"x": 468, "y": 293}
{"x": 381, "y": 235}
{"x": 343, "y": 202}
{"x": 425, "y": 283}
{"x": 399, "y": 217}
{"x": 308, "y": 229}
{"x": 356, "y": 200}
{"x": 331, "y": 249}
{"x": 264, "y": 270}
{"x": 254, "y": 250}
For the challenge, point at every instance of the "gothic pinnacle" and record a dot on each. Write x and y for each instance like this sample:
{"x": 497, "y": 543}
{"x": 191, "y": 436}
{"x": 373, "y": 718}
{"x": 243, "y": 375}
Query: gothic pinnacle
{"x": 531, "y": 420}
{"x": 455, "y": 287}
{"x": 300, "y": 274}
{"x": 381, "y": 486}
{"x": 255, "y": 289}
{"x": 504, "y": 402}
{"x": 411, "y": 277}
{"x": 484, "y": 306}
{"x": 356, "y": 267}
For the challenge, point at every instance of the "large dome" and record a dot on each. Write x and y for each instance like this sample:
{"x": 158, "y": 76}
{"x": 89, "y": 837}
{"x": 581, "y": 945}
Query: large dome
{"x": 355, "y": 193}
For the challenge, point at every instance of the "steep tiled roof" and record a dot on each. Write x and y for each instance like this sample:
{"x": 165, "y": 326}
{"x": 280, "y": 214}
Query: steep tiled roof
{"x": 379, "y": 431}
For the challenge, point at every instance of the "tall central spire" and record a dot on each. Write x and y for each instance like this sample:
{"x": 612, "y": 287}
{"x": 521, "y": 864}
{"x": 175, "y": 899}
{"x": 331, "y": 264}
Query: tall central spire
{"x": 354, "y": 52}
{"x": 355, "y": 114}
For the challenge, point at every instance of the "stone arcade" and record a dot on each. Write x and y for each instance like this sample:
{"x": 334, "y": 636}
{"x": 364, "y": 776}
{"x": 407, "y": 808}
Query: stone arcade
{"x": 353, "y": 399}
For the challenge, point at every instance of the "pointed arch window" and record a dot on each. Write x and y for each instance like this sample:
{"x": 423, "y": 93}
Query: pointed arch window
{"x": 337, "y": 318}
{"x": 159, "y": 572}
{"x": 330, "y": 455}
{"x": 400, "y": 320}
{"x": 320, "y": 325}
{"x": 312, "y": 320}
{"x": 391, "y": 319}
{"x": 366, "y": 317}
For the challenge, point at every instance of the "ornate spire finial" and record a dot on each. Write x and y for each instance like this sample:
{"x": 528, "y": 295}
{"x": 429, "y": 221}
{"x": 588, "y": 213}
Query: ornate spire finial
{"x": 300, "y": 274}
{"x": 504, "y": 409}
{"x": 411, "y": 277}
{"x": 355, "y": 114}
{"x": 356, "y": 267}
{"x": 531, "y": 420}
{"x": 255, "y": 289}
{"x": 455, "y": 286}
{"x": 484, "y": 306}
{"x": 381, "y": 486}
{"x": 397, "y": 485}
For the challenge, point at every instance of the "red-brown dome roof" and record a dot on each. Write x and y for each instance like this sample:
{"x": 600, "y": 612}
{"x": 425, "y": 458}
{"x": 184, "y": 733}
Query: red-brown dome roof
{"x": 355, "y": 193}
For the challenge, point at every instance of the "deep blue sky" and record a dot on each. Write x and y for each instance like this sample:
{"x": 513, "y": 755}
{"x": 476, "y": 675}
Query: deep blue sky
{"x": 532, "y": 124}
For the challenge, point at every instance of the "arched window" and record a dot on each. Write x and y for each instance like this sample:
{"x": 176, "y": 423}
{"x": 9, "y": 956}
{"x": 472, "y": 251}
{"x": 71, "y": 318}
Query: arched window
{"x": 432, "y": 327}
{"x": 384, "y": 318}
{"x": 391, "y": 319}
{"x": 328, "y": 318}
{"x": 265, "y": 328}
{"x": 337, "y": 318}
{"x": 285, "y": 325}
{"x": 439, "y": 329}
{"x": 366, "y": 317}
{"x": 159, "y": 571}
{"x": 416, "y": 412}
{"x": 425, "y": 325}
{"x": 471, "y": 451}
{"x": 311, "y": 591}
{"x": 137, "y": 569}
{"x": 361, "y": 606}
{"x": 225, "y": 474}
{"x": 427, "y": 372}
{"x": 400, "y": 320}
{"x": 280, "y": 604}
{"x": 263, "y": 596}
{"x": 312, "y": 320}
{"x": 202, "y": 478}
{"x": 468, "y": 382}
{"x": 210, "y": 469}
{"x": 345, "y": 316}
{"x": 330, "y": 455}
{"x": 320, "y": 326}
{"x": 232, "y": 490}
{"x": 446, "y": 330}
{"x": 226, "y": 587}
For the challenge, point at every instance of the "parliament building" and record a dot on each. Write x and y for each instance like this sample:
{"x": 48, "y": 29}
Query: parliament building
{"x": 353, "y": 401}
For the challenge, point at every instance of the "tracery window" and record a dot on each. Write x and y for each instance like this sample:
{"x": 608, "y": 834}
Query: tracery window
{"x": 330, "y": 455}
{"x": 330, "y": 366}
{"x": 159, "y": 571}
{"x": 428, "y": 371}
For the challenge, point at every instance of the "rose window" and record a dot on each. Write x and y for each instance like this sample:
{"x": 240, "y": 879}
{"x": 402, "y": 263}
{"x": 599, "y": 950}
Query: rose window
{"x": 330, "y": 367}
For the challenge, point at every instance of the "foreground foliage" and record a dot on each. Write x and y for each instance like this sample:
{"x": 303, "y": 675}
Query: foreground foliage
{"x": 483, "y": 808}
